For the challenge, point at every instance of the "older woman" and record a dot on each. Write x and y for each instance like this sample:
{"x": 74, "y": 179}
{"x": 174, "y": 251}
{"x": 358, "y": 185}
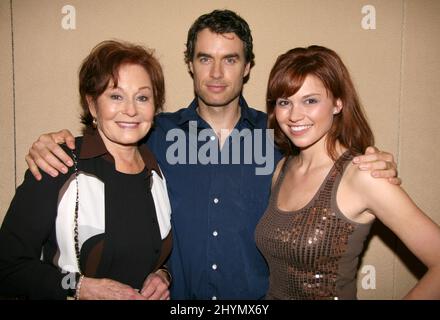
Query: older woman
{"x": 103, "y": 230}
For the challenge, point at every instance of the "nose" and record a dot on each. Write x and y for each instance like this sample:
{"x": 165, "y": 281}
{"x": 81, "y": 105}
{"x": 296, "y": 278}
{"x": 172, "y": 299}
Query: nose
{"x": 216, "y": 71}
{"x": 296, "y": 113}
{"x": 130, "y": 108}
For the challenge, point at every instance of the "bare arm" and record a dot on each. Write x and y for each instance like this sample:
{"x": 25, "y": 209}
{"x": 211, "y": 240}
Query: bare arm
{"x": 47, "y": 155}
{"x": 391, "y": 205}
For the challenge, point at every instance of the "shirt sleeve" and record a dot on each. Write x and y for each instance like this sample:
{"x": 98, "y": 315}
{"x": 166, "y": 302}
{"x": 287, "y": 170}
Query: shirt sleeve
{"x": 28, "y": 223}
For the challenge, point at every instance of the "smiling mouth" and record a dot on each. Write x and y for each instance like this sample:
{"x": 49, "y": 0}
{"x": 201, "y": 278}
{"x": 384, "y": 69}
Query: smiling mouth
{"x": 298, "y": 130}
{"x": 127, "y": 125}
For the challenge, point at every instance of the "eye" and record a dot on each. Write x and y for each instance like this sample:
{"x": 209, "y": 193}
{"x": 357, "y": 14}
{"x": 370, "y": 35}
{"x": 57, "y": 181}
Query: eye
{"x": 283, "y": 103}
{"x": 115, "y": 97}
{"x": 231, "y": 60}
{"x": 204, "y": 60}
{"x": 311, "y": 101}
{"x": 143, "y": 98}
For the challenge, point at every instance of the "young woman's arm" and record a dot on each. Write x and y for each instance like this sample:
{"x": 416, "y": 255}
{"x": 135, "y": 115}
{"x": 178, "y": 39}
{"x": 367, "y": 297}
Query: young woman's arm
{"x": 392, "y": 205}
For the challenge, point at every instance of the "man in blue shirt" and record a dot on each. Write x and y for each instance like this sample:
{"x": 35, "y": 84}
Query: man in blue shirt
{"x": 218, "y": 160}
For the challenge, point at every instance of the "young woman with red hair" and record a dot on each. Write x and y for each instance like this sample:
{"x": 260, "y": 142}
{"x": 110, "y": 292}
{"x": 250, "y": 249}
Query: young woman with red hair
{"x": 322, "y": 207}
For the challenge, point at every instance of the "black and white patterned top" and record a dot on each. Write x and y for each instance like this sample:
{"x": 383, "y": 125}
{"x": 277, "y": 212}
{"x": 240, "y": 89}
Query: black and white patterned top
{"x": 123, "y": 225}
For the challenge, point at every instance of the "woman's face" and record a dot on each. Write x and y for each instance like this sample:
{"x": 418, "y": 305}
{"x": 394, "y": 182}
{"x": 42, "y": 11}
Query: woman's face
{"x": 307, "y": 116}
{"x": 125, "y": 114}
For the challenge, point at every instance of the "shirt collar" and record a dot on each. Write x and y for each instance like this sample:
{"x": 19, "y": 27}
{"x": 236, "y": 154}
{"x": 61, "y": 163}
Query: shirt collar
{"x": 246, "y": 112}
{"x": 190, "y": 113}
{"x": 93, "y": 147}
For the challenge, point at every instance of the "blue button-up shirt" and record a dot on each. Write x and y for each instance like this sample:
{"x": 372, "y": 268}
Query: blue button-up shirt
{"x": 217, "y": 199}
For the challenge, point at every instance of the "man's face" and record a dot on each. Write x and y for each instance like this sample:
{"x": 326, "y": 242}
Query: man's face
{"x": 218, "y": 68}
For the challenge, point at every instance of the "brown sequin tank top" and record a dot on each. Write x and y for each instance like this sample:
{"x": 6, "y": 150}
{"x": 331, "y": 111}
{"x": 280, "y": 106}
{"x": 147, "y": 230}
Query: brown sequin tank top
{"x": 312, "y": 252}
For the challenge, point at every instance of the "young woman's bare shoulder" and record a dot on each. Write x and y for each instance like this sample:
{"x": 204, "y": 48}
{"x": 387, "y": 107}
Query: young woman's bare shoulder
{"x": 362, "y": 180}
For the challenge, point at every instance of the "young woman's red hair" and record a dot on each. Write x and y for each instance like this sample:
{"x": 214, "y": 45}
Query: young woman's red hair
{"x": 350, "y": 126}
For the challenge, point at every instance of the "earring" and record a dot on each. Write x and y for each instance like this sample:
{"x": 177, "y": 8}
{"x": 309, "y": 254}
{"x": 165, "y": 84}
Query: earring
{"x": 94, "y": 123}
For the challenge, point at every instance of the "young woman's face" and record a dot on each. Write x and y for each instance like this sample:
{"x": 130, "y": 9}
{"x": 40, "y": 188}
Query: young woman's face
{"x": 125, "y": 114}
{"x": 307, "y": 116}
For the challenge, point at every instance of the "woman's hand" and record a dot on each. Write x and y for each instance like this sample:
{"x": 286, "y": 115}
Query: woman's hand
{"x": 156, "y": 286}
{"x": 107, "y": 289}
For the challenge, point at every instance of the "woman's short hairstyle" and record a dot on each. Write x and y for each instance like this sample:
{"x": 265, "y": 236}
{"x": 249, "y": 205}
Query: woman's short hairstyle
{"x": 102, "y": 65}
{"x": 350, "y": 126}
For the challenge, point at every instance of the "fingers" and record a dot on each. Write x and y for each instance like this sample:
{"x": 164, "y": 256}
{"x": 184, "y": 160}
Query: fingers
{"x": 155, "y": 288}
{"x": 64, "y": 136}
{"x": 377, "y": 165}
{"x": 115, "y": 290}
{"x": 380, "y": 169}
{"x": 48, "y": 156}
{"x": 70, "y": 142}
{"x": 159, "y": 294}
{"x": 384, "y": 173}
{"x": 107, "y": 289}
{"x": 57, "y": 138}
{"x": 371, "y": 150}
{"x": 45, "y": 160}
{"x": 147, "y": 289}
{"x": 135, "y": 296}
{"x": 165, "y": 295}
{"x": 395, "y": 180}
{"x": 33, "y": 167}
{"x": 381, "y": 164}
{"x": 374, "y": 154}
{"x": 367, "y": 159}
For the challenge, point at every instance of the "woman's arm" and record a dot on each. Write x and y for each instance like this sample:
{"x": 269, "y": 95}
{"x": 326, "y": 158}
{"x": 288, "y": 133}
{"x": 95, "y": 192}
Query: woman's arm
{"x": 27, "y": 226}
{"x": 392, "y": 205}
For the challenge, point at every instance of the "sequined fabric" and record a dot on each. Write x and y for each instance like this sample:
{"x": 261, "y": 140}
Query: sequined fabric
{"x": 312, "y": 252}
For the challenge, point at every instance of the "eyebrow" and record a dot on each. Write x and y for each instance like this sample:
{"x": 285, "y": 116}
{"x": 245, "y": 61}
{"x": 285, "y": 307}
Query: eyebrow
{"x": 207, "y": 55}
{"x": 141, "y": 88}
{"x": 311, "y": 94}
{"x": 232, "y": 55}
{"x": 202, "y": 54}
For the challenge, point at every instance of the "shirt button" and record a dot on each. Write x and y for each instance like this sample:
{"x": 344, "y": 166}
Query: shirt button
{"x": 212, "y": 138}
{"x": 214, "y": 298}
{"x": 215, "y": 233}
{"x": 215, "y": 200}
{"x": 214, "y": 267}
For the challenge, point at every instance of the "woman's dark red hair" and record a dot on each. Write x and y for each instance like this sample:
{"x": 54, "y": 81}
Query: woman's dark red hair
{"x": 350, "y": 126}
